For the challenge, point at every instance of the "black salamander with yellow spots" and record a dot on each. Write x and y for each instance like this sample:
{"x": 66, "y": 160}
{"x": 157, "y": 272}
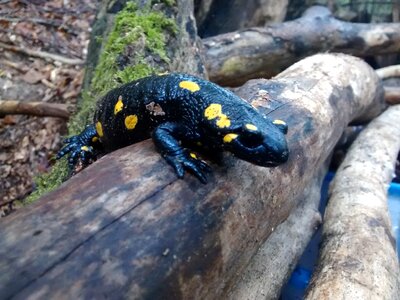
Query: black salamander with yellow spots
{"x": 180, "y": 110}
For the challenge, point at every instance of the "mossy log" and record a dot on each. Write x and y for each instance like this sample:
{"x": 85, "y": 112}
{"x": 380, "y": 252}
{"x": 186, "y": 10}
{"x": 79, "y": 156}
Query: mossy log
{"x": 126, "y": 227}
{"x": 358, "y": 259}
{"x": 130, "y": 40}
{"x": 235, "y": 57}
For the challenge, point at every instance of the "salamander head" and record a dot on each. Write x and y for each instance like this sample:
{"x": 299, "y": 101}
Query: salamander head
{"x": 264, "y": 145}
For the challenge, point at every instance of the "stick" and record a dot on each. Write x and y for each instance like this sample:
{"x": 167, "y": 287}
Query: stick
{"x": 43, "y": 109}
{"x": 44, "y": 55}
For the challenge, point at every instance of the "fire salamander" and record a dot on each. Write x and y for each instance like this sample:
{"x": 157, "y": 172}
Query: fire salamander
{"x": 179, "y": 110}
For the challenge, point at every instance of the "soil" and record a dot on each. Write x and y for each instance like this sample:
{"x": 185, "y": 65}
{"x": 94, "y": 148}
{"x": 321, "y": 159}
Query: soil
{"x": 28, "y": 144}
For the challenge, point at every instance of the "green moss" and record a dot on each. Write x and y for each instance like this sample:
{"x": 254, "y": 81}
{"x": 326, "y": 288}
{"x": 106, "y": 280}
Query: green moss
{"x": 169, "y": 2}
{"x": 49, "y": 181}
{"x": 138, "y": 31}
{"x": 130, "y": 27}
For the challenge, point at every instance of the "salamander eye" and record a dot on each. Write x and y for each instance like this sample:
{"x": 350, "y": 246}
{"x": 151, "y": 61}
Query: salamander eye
{"x": 250, "y": 141}
{"x": 250, "y": 136}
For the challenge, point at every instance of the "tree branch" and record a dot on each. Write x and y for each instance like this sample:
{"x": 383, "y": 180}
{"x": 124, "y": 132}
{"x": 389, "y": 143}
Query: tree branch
{"x": 235, "y": 57}
{"x": 358, "y": 259}
{"x": 42, "y": 54}
{"x": 43, "y": 109}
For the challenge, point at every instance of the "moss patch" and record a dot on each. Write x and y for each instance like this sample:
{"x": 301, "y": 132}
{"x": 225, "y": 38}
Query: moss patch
{"x": 133, "y": 32}
{"x": 135, "y": 48}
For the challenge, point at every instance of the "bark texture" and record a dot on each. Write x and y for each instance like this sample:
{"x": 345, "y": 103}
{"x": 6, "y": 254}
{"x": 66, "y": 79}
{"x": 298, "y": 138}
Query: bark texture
{"x": 235, "y": 57}
{"x": 182, "y": 47}
{"x": 358, "y": 258}
{"x": 282, "y": 249}
{"x": 127, "y": 227}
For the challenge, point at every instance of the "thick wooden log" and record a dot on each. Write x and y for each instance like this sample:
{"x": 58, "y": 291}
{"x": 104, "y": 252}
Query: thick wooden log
{"x": 235, "y": 57}
{"x": 282, "y": 249}
{"x": 358, "y": 259}
{"x": 127, "y": 227}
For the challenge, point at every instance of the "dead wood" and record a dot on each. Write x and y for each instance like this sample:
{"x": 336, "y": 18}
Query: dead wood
{"x": 235, "y": 57}
{"x": 388, "y": 72}
{"x": 283, "y": 248}
{"x": 358, "y": 259}
{"x": 42, "y": 54}
{"x": 43, "y": 109}
{"x": 127, "y": 227}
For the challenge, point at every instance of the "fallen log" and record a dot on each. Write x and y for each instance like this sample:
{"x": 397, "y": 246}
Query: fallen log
{"x": 235, "y": 57}
{"x": 358, "y": 259}
{"x": 127, "y": 227}
{"x": 282, "y": 249}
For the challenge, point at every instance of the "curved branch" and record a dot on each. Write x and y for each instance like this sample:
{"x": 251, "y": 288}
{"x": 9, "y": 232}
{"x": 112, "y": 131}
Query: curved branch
{"x": 235, "y": 57}
{"x": 358, "y": 259}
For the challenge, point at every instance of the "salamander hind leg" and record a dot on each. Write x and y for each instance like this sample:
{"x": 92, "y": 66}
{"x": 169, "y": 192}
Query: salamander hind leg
{"x": 166, "y": 137}
{"x": 80, "y": 148}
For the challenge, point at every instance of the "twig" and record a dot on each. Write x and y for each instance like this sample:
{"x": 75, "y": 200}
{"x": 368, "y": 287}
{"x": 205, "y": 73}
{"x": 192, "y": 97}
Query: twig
{"x": 55, "y": 23}
{"x": 10, "y": 107}
{"x": 14, "y": 65}
{"x": 392, "y": 95}
{"x": 391, "y": 71}
{"x": 41, "y": 54}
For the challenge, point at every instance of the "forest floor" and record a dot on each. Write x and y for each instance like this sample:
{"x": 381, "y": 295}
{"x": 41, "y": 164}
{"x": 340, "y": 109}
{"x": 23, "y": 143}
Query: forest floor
{"x": 28, "y": 144}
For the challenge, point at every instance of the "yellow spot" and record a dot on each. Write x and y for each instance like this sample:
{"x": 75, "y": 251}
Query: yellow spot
{"x": 214, "y": 111}
{"x": 193, "y": 155}
{"x": 131, "y": 121}
{"x": 251, "y": 127}
{"x": 223, "y": 121}
{"x": 99, "y": 129}
{"x": 118, "y": 106}
{"x": 95, "y": 139}
{"x": 189, "y": 85}
{"x": 199, "y": 144}
{"x": 279, "y": 122}
{"x": 229, "y": 137}
{"x": 85, "y": 148}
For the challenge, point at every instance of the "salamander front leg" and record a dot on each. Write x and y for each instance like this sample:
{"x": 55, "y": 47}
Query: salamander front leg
{"x": 166, "y": 138}
{"x": 80, "y": 148}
